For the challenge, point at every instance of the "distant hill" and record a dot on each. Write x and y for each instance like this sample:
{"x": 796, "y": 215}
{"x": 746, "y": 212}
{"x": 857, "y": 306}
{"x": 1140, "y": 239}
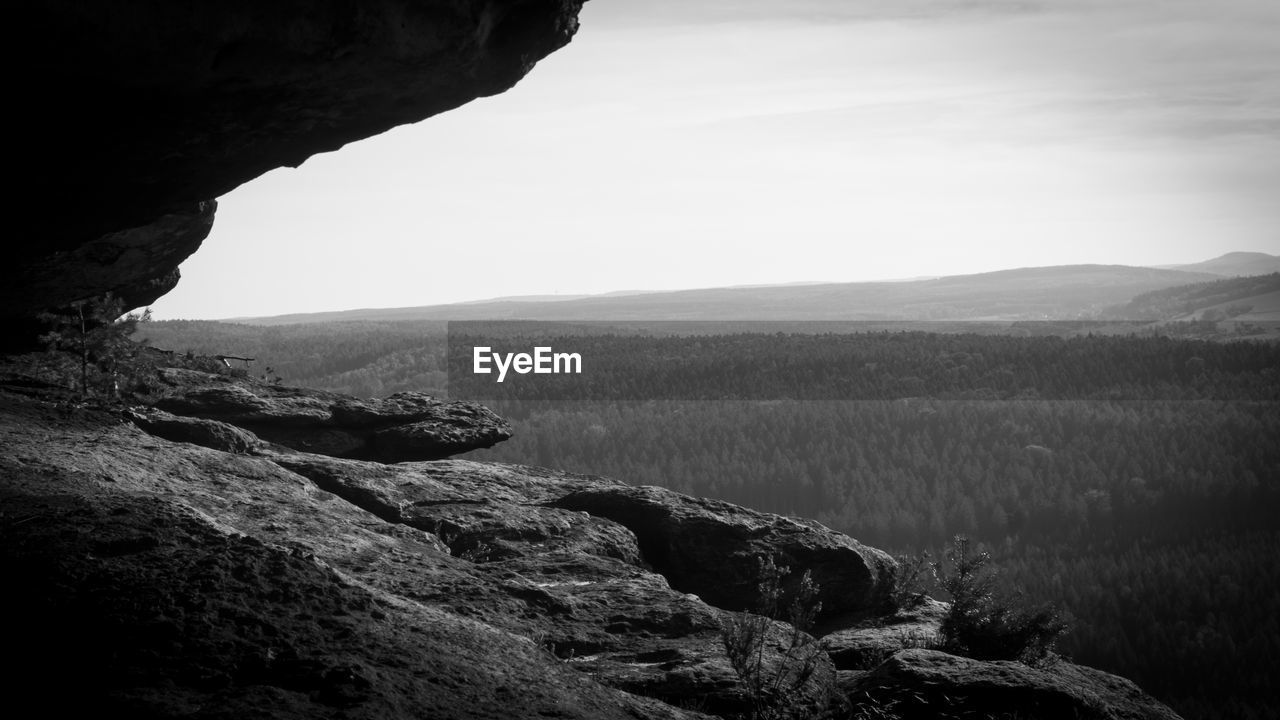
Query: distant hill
{"x": 1233, "y": 264}
{"x": 373, "y": 352}
{"x": 1068, "y": 292}
{"x": 1243, "y": 299}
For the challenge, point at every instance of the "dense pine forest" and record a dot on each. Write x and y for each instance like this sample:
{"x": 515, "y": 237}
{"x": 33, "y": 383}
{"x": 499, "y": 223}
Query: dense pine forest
{"x": 1132, "y": 481}
{"x": 365, "y": 359}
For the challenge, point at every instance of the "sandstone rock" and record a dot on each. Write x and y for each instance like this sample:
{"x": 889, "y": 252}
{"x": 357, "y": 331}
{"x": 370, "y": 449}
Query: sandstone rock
{"x": 920, "y": 681}
{"x": 569, "y": 578}
{"x": 406, "y": 426}
{"x": 487, "y": 511}
{"x": 435, "y": 625}
{"x": 866, "y": 645}
{"x": 710, "y": 548}
{"x": 156, "y": 612}
{"x": 451, "y": 429}
{"x": 189, "y": 103}
{"x": 295, "y": 585}
{"x": 206, "y": 433}
{"x": 138, "y": 264}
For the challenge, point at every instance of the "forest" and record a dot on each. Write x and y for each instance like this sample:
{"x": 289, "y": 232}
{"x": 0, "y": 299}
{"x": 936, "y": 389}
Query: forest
{"x": 1133, "y": 481}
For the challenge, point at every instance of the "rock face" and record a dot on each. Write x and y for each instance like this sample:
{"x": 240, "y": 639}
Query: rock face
{"x": 598, "y": 607}
{"x": 710, "y": 548}
{"x": 146, "y": 111}
{"x": 405, "y": 426}
{"x": 917, "y": 682}
{"x": 197, "y": 431}
{"x": 176, "y": 565}
{"x": 871, "y": 642}
{"x": 210, "y": 576}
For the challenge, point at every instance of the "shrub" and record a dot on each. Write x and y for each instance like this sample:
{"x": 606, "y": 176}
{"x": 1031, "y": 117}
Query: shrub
{"x": 984, "y": 626}
{"x": 909, "y": 585}
{"x": 773, "y": 691}
{"x": 89, "y": 346}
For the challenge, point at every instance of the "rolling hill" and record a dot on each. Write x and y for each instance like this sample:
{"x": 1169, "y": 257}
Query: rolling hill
{"x": 1069, "y": 292}
{"x": 1234, "y": 264}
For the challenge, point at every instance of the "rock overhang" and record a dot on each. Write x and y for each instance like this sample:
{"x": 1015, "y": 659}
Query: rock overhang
{"x": 140, "y": 113}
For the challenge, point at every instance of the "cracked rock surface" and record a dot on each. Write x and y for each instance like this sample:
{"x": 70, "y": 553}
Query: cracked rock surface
{"x": 405, "y": 426}
{"x": 181, "y": 572}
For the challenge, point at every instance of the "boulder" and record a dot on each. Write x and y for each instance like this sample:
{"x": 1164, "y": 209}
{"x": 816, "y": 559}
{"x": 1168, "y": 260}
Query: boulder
{"x": 916, "y": 683}
{"x": 292, "y": 585}
{"x": 197, "y": 431}
{"x": 450, "y": 429}
{"x": 470, "y": 519}
{"x": 571, "y": 579}
{"x": 870, "y": 642}
{"x": 711, "y": 548}
{"x": 403, "y": 427}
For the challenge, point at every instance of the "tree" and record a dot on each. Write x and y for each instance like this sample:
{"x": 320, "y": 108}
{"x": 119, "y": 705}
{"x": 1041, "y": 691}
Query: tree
{"x": 90, "y": 344}
{"x": 980, "y": 624}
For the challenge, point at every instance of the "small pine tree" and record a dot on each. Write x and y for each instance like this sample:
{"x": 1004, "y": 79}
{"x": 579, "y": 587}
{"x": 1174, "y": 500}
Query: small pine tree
{"x": 984, "y": 626}
{"x": 91, "y": 345}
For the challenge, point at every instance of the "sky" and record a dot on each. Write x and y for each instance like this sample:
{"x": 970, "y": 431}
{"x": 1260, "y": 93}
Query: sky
{"x": 705, "y": 143}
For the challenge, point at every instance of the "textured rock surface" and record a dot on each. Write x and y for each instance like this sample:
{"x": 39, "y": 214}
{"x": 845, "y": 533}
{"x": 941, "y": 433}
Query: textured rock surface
{"x": 138, "y": 264}
{"x": 405, "y": 426}
{"x": 139, "y": 111}
{"x": 920, "y": 681}
{"x": 518, "y": 590}
{"x": 871, "y": 642}
{"x": 197, "y": 431}
{"x": 180, "y": 580}
{"x": 710, "y": 548}
{"x": 597, "y": 606}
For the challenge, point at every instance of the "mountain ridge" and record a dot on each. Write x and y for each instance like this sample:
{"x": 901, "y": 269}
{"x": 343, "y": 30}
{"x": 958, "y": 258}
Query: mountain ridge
{"x": 1233, "y": 264}
{"x": 1056, "y": 292}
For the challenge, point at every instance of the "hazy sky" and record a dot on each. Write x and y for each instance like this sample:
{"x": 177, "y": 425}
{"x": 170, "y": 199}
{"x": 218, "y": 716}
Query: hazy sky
{"x": 698, "y": 143}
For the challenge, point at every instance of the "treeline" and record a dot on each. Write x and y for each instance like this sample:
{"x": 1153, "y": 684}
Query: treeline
{"x": 1154, "y": 524}
{"x": 1193, "y": 621}
{"x": 881, "y": 365}
{"x": 914, "y": 473}
{"x": 365, "y": 359}
{"x": 1134, "y": 481}
{"x": 1144, "y": 499}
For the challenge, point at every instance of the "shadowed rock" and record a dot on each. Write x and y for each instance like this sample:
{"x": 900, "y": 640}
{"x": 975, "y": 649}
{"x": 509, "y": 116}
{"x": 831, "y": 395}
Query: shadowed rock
{"x": 168, "y": 614}
{"x": 869, "y": 643}
{"x": 142, "y": 112}
{"x": 197, "y": 431}
{"x": 921, "y": 681}
{"x": 575, "y": 579}
{"x": 296, "y": 585}
{"x": 403, "y": 427}
{"x": 710, "y": 548}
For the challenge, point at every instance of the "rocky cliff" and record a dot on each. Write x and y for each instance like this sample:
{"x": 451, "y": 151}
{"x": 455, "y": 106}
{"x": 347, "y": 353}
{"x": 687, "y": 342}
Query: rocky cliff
{"x": 180, "y": 564}
{"x": 233, "y": 549}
